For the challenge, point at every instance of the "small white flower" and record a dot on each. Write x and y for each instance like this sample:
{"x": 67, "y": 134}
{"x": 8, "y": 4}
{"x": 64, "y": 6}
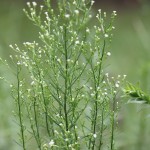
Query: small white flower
{"x": 76, "y": 12}
{"x": 114, "y": 12}
{"x": 51, "y": 143}
{"x": 116, "y": 85}
{"x": 98, "y": 63}
{"x": 90, "y": 88}
{"x": 56, "y": 131}
{"x": 124, "y": 75}
{"x": 119, "y": 75}
{"x": 92, "y": 2}
{"x": 106, "y": 35}
{"x": 46, "y": 13}
{"x": 90, "y": 16}
{"x": 18, "y": 63}
{"x": 41, "y": 6}
{"x": 94, "y": 135}
{"x": 105, "y": 14}
{"x": 115, "y": 92}
{"x": 104, "y": 82}
{"x": 32, "y": 83}
{"x": 108, "y": 53}
{"x": 87, "y": 30}
{"x": 99, "y": 10}
{"x": 98, "y": 88}
{"x": 10, "y": 46}
{"x": 58, "y": 60}
{"x": 105, "y": 93}
{"x": 97, "y": 16}
{"x": 61, "y": 124}
{"x": 28, "y": 3}
{"x": 34, "y": 3}
{"x": 74, "y": 3}
{"x": 67, "y": 15}
{"x": 92, "y": 94}
{"x": 77, "y": 42}
{"x": 106, "y": 74}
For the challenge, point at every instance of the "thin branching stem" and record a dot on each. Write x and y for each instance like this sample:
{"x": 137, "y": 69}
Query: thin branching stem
{"x": 19, "y": 109}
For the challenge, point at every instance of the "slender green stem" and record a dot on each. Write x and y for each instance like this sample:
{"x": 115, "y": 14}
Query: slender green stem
{"x": 45, "y": 104}
{"x": 19, "y": 109}
{"x": 66, "y": 80}
{"x": 112, "y": 132}
{"x": 101, "y": 130}
{"x": 97, "y": 82}
{"x": 38, "y": 139}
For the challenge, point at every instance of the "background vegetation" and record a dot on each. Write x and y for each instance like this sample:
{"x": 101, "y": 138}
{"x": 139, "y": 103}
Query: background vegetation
{"x": 130, "y": 55}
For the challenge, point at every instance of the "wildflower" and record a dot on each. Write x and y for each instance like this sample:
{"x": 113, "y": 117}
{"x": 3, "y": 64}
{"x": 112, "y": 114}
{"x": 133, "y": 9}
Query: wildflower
{"x": 87, "y": 30}
{"x": 28, "y": 3}
{"x": 92, "y": 2}
{"x": 77, "y": 42}
{"x": 90, "y": 88}
{"x": 94, "y": 135}
{"x": 74, "y": 2}
{"x": 106, "y": 35}
{"x": 32, "y": 83}
{"x": 98, "y": 63}
{"x": 124, "y": 75}
{"x": 41, "y": 6}
{"x": 90, "y": 16}
{"x": 99, "y": 10}
{"x": 34, "y": 4}
{"x": 114, "y": 13}
{"x": 92, "y": 94}
{"x": 76, "y": 12}
{"x": 67, "y": 15}
{"x": 108, "y": 53}
{"x": 105, "y": 93}
{"x": 58, "y": 60}
{"x": 18, "y": 63}
{"x": 10, "y": 46}
{"x": 106, "y": 74}
{"x": 116, "y": 85}
{"x": 115, "y": 92}
{"x": 51, "y": 143}
{"x": 105, "y": 14}
{"x": 119, "y": 76}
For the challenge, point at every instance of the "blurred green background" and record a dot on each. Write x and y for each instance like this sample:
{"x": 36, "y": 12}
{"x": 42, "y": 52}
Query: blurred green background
{"x": 130, "y": 50}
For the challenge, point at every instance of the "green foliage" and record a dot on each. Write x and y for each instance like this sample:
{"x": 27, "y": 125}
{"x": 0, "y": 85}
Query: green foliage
{"x": 136, "y": 93}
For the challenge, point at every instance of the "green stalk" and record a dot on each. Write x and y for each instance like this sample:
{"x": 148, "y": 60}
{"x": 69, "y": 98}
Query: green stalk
{"x": 45, "y": 104}
{"x": 19, "y": 110}
{"x": 66, "y": 80}
{"x": 97, "y": 82}
{"x": 37, "y": 137}
{"x": 101, "y": 130}
{"x": 112, "y": 132}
